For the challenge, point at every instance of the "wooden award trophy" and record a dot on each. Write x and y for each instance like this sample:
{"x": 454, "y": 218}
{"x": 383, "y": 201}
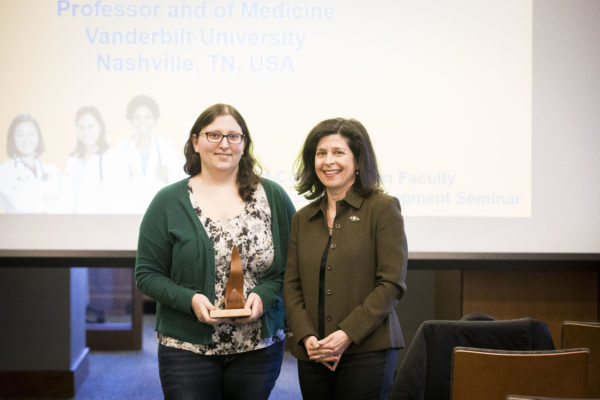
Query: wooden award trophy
{"x": 234, "y": 291}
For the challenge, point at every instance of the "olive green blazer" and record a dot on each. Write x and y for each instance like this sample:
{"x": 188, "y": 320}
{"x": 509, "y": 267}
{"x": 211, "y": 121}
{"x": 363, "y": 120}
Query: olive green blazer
{"x": 364, "y": 276}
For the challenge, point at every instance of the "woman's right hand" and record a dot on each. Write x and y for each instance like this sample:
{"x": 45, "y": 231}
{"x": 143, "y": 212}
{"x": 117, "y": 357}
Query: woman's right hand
{"x": 311, "y": 343}
{"x": 201, "y": 307}
{"x": 322, "y": 351}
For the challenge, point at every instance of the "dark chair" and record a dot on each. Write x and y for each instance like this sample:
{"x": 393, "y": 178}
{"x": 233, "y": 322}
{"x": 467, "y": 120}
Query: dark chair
{"x": 487, "y": 374}
{"x": 425, "y": 371}
{"x": 585, "y": 334}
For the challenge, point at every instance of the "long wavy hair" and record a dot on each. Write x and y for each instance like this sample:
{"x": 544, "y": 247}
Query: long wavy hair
{"x": 368, "y": 179}
{"x": 249, "y": 169}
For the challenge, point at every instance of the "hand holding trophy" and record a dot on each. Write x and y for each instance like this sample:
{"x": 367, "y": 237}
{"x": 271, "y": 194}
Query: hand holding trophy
{"x": 234, "y": 291}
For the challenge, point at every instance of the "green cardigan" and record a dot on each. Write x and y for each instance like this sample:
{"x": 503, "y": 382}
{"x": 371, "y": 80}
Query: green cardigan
{"x": 175, "y": 259}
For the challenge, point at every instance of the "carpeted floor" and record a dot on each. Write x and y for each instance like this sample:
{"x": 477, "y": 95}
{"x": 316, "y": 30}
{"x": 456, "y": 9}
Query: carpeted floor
{"x": 134, "y": 374}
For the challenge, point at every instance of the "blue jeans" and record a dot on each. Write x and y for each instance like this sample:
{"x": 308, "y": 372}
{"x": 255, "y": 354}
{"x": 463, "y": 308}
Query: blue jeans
{"x": 361, "y": 376}
{"x": 185, "y": 375}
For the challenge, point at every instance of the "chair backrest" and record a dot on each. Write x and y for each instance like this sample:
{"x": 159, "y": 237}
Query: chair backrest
{"x": 585, "y": 334}
{"x": 487, "y": 374}
{"x": 425, "y": 371}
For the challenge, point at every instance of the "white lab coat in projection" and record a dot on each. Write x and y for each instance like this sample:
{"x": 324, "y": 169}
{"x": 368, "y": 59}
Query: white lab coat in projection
{"x": 134, "y": 186}
{"x": 31, "y": 191}
{"x": 87, "y": 185}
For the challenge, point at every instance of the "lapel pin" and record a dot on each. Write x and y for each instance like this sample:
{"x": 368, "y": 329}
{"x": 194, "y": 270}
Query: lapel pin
{"x": 354, "y": 218}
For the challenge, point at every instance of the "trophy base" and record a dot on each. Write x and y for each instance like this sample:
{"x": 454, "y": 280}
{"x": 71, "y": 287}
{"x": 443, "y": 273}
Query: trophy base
{"x": 233, "y": 313}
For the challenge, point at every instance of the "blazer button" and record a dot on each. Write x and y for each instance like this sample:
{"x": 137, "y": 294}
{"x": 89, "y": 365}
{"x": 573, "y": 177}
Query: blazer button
{"x": 329, "y": 318}
{"x": 333, "y": 246}
{"x": 329, "y": 292}
{"x": 338, "y": 226}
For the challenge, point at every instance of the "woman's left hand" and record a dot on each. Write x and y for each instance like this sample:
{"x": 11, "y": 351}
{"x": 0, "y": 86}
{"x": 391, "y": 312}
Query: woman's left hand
{"x": 254, "y": 303}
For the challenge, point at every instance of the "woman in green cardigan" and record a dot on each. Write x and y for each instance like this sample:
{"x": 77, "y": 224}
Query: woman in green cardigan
{"x": 346, "y": 268}
{"x": 184, "y": 251}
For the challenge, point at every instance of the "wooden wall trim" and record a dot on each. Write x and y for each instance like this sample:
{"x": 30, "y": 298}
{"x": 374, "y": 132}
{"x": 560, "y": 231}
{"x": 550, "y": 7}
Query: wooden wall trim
{"x": 549, "y": 296}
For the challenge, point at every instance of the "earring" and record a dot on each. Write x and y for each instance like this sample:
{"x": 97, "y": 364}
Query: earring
{"x": 357, "y": 172}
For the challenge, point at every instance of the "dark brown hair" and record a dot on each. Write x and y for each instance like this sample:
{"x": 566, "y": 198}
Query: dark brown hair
{"x": 249, "y": 169}
{"x": 368, "y": 180}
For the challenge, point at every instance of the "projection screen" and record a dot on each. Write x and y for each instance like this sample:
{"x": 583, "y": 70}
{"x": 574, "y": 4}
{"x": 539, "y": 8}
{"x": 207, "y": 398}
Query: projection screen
{"x": 482, "y": 128}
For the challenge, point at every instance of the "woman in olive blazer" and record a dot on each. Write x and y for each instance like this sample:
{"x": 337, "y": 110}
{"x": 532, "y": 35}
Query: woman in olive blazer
{"x": 346, "y": 268}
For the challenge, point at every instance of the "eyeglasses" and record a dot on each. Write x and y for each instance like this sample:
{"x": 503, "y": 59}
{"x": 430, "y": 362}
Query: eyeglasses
{"x": 216, "y": 137}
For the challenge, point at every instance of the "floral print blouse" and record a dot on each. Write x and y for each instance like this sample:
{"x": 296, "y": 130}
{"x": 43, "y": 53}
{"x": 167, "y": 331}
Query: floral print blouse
{"x": 250, "y": 231}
